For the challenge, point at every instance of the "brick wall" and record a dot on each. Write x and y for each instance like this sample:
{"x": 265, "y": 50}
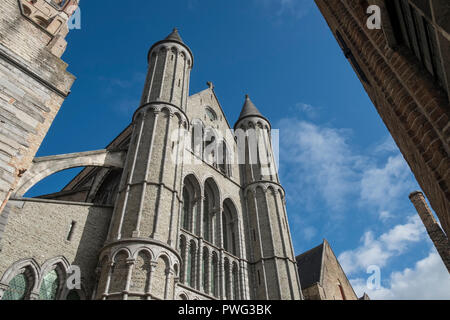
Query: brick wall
{"x": 415, "y": 110}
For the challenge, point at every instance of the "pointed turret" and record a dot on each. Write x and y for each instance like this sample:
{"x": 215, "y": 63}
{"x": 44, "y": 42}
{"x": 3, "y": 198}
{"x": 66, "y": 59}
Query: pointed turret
{"x": 141, "y": 214}
{"x": 170, "y": 63}
{"x": 272, "y": 256}
{"x": 174, "y": 36}
{"x": 250, "y": 110}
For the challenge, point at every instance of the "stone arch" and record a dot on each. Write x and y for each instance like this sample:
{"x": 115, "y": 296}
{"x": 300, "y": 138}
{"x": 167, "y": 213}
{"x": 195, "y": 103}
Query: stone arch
{"x": 26, "y": 10}
{"x": 192, "y": 192}
{"x": 160, "y": 279}
{"x": 31, "y": 271}
{"x": 197, "y": 133}
{"x": 190, "y": 214}
{"x": 141, "y": 272}
{"x": 224, "y": 158}
{"x": 41, "y": 21}
{"x": 211, "y": 210}
{"x": 211, "y": 139}
{"x": 230, "y": 228}
{"x": 46, "y": 166}
{"x": 119, "y": 271}
{"x": 53, "y": 288}
{"x": 183, "y": 296}
{"x": 174, "y": 49}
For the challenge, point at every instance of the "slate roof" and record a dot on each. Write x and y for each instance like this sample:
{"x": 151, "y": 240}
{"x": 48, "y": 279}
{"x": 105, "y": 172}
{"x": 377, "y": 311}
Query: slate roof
{"x": 310, "y": 266}
{"x": 174, "y": 36}
{"x": 249, "y": 109}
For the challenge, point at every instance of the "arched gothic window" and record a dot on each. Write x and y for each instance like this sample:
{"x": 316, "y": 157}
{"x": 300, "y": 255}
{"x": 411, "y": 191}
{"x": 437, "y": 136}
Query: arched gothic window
{"x": 183, "y": 259}
{"x": 50, "y": 286}
{"x": 224, "y": 160}
{"x": 211, "y": 204}
{"x": 186, "y": 218}
{"x": 210, "y": 149}
{"x": 229, "y": 227}
{"x": 227, "y": 280}
{"x": 235, "y": 282}
{"x": 205, "y": 270}
{"x": 191, "y": 209}
{"x": 214, "y": 276}
{"x": 206, "y": 216}
{"x": 197, "y": 137}
{"x": 191, "y": 267}
{"x": 20, "y": 286}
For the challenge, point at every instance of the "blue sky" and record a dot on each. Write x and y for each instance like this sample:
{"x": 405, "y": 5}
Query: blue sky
{"x": 345, "y": 179}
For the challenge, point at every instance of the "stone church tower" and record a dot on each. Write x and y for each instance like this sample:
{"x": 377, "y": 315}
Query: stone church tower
{"x": 149, "y": 197}
{"x": 178, "y": 206}
{"x": 152, "y": 194}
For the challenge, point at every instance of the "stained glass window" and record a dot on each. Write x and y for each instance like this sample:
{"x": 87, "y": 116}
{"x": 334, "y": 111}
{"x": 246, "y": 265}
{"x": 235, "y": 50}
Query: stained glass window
{"x": 18, "y": 288}
{"x": 49, "y": 286}
{"x": 186, "y": 208}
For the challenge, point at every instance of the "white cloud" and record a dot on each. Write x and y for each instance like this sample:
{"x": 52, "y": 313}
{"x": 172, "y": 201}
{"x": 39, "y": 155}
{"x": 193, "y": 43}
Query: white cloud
{"x": 323, "y": 163}
{"x": 427, "y": 280}
{"x": 382, "y": 186}
{"x": 307, "y": 109}
{"x": 388, "y": 145}
{"x": 379, "y": 251}
{"x": 320, "y": 162}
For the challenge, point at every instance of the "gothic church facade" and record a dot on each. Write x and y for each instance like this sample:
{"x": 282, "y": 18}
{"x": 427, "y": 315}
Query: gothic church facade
{"x": 143, "y": 223}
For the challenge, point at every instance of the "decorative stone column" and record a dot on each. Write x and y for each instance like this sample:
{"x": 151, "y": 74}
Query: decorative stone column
{"x": 149, "y": 280}
{"x": 130, "y": 264}
{"x": 202, "y": 212}
{"x": 186, "y": 257}
{"x": 199, "y": 279}
{"x": 221, "y": 275}
{"x": 108, "y": 281}
{"x": 169, "y": 274}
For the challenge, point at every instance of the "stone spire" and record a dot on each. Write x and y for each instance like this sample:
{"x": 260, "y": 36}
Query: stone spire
{"x": 174, "y": 36}
{"x": 170, "y": 63}
{"x": 250, "y": 110}
{"x": 272, "y": 256}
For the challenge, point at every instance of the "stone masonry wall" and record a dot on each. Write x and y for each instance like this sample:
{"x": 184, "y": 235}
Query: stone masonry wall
{"x": 38, "y": 229}
{"x": 33, "y": 85}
